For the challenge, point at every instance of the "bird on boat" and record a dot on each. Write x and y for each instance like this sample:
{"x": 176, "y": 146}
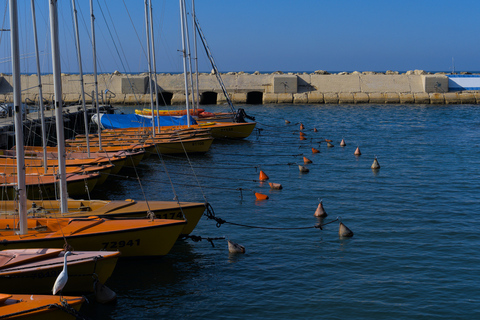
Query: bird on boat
{"x": 62, "y": 277}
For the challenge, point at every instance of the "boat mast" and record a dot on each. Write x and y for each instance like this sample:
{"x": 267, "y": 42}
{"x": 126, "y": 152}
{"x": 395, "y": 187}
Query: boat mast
{"x": 17, "y": 103}
{"x": 154, "y": 66}
{"x": 182, "y": 23}
{"x": 189, "y": 55}
{"x": 99, "y": 129}
{"x": 57, "y": 85}
{"x": 40, "y": 93}
{"x": 149, "y": 65}
{"x": 197, "y": 90}
{"x": 80, "y": 70}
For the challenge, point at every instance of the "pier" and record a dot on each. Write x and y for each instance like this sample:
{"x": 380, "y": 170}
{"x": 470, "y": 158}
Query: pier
{"x": 319, "y": 87}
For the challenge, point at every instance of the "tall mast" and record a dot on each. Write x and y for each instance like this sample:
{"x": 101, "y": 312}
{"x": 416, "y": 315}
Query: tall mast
{"x": 182, "y": 23}
{"x": 197, "y": 91}
{"x": 80, "y": 70}
{"x": 149, "y": 66}
{"x": 17, "y": 103}
{"x": 189, "y": 55}
{"x": 154, "y": 64}
{"x": 40, "y": 93}
{"x": 92, "y": 20}
{"x": 57, "y": 85}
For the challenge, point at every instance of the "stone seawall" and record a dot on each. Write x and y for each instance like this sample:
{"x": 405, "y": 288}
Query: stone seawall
{"x": 319, "y": 87}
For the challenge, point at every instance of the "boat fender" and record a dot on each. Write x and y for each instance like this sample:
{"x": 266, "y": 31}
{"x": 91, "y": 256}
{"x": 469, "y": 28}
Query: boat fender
{"x": 104, "y": 294}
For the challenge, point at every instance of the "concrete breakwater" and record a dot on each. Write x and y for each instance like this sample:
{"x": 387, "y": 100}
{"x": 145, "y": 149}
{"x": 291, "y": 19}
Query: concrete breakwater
{"x": 318, "y": 87}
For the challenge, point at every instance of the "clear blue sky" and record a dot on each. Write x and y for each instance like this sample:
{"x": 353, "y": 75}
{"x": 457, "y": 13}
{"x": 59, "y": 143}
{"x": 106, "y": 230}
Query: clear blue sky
{"x": 264, "y": 35}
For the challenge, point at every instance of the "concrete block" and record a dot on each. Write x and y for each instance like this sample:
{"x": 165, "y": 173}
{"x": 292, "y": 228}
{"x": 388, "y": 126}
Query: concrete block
{"x": 315, "y": 97}
{"x": 407, "y": 98}
{"x": 345, "y": 98}
{"x": 380, "y": 83}
{"x": 376, "y": 97}
{"x": 300, "y": 98}
{"x": 137, "y": 85}
{"x": 477, "y": 96}
{"x": 452, "y": 98}
{"x": 285, "y": 98}
{"x": 435, "y": 83}
{"x": 331, "y": 98}
{"x": 239, "y": 97}
{"x": 335, "y": 83}
{"x": 269, "y": 98}
{"x": 284, "y": 84}
{"x": 437, "y": 98}
{"x": 179, "y": 99}
{"x": 361, "y": 97}
{"x": 392, "y": 97}
{"x": 304, "y": 83}
{"x": 422, "y": 98}
{"x": 467, "y": 98}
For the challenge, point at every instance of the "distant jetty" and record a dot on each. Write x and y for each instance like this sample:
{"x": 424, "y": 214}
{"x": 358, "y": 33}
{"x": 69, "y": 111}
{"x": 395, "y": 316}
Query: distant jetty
{"x": 319, "y": 87}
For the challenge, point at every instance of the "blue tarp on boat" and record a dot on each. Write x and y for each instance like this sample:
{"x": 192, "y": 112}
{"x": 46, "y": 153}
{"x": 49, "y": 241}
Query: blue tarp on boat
{"x": 122, "y": 121}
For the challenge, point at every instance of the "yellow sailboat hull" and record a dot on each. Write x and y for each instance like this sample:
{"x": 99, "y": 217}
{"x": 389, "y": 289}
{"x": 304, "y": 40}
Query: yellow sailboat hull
{"x": 133, "y": 238}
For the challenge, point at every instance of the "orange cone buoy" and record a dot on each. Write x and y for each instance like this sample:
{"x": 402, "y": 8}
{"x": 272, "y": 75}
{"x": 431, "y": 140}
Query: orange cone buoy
{"x": 303, "y": 168}
{"x": 315, "y": 130}
{"x": 287, "y": 122}
{"x": 357, "y": 152}
{"x": 302, "y": 133}
{"x": 302, "y": 138}
{"x": 342, "y": 143}
{"x": 320, "y": 212}
{"x": 344, "y": 232}
{"x": 330, "y": 145}
{"x": 328, "y": 140}
{"x": 276, "y": 186}
{"x": 235, "y": 247}
{"x": 302, "y": 126}
{"x": 315, "y": 150}
{"x": 261, "y": 196}
{"x": 375, "y": 164}
{"x": 306, "y": 160}
{"x": 263, "y": 176}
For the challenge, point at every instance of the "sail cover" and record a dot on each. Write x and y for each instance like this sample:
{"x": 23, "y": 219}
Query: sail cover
{"x": 122, "y": 121}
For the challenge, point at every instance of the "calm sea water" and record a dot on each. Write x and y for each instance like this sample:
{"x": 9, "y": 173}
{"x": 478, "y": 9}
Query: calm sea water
{"x": 414, "y": 254}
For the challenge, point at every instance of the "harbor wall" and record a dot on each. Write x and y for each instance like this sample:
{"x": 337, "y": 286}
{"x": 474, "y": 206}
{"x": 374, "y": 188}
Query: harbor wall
{"x": 318, "y": 87}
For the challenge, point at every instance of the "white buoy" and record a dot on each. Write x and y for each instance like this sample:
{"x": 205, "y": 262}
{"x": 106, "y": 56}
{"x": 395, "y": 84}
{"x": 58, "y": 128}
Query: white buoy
{"x": 104, "y": 294}
{"x": 357, "y": 152}
{"x": 344, "y": 232}
{"x": 235, "y": 247}
{"x": 320, "y": 212}
{"x": 375, "y": 164}
{"x": 329, "y": 144}
{"x": 303, "y": 168}
{"x": 342, "y": 143}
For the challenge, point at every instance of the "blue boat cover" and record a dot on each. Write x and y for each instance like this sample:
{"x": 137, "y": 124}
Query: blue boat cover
{"x": 121, "y": 121}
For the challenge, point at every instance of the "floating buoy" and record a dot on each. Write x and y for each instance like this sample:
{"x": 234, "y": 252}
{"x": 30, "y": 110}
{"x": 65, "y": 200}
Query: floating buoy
{"x": 320, "y": 212}
{"x": 302, "y": 137}
{"x": 261, "y": 196}
{"x": 263, "y": 176}
{"x": 315, "y": 150}
{"x": 330, "y": 145}
{"x": 235, "y": 247}
{"x": 342, "y": 143}
{"x": 287, "y": 122}
{"x": 306, "y": 160}
{"x": 328, "y": 140}
{"x": 375, "y": 164}
{"x": 302, "y": 126}
{"x": 104, "y": 294}
{"x": 315, "y": 130}
{"x": 276, "y": 186}
{"x": 357, "y": 152}
{"x": 344, "y": 232}
{"x": 303, "y": 168}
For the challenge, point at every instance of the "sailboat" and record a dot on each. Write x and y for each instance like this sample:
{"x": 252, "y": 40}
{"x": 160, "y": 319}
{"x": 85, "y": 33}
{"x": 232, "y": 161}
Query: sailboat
{"x": 132, "y": 237}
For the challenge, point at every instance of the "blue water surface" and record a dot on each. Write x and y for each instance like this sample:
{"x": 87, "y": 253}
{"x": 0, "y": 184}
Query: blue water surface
{"x": 414, "y": 253}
